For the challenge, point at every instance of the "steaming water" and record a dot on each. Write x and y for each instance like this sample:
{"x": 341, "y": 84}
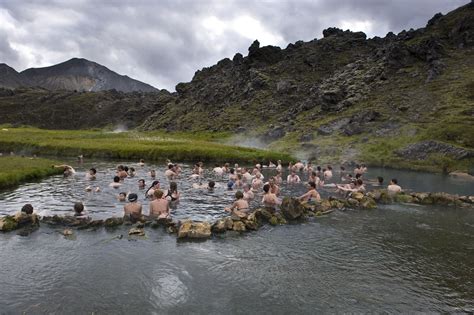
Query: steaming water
{"x": 396, "y": 258}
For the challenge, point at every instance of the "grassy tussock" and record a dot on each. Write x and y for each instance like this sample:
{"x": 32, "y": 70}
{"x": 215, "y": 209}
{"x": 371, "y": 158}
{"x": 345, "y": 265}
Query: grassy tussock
{"x": 15, "y": 170}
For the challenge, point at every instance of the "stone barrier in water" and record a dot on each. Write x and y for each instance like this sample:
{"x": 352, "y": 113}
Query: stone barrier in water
{"x": 291, "y": 209}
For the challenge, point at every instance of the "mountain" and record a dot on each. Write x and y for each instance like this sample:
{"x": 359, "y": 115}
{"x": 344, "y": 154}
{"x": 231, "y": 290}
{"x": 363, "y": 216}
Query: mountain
{"x": 83, "y": 75}
{"x": 75, "y": 74}
{"x": 10, "y": 78}
{"x": 405, "y": 100}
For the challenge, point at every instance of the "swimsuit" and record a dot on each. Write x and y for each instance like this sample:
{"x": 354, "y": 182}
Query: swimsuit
{"x": 170, "y": 194}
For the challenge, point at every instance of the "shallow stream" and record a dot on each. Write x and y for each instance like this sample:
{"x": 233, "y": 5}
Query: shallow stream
{"x": 397, "y": 258}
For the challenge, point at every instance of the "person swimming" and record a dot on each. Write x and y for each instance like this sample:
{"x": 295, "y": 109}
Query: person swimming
{"x": 293, "y": 178}
{"x": 91, "y": 174}
{"x": 122, "y": 197}
{"x": 116, "y": 183}
{"x": 141, "y": 184}
{"x": 257, "y": 182}
{"x": 67, "y": 169}
{"x": 210, "y": 185}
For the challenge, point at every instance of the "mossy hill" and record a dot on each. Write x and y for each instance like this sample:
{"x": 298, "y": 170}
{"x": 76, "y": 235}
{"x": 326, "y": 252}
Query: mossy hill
{"x": 405, "y": 100}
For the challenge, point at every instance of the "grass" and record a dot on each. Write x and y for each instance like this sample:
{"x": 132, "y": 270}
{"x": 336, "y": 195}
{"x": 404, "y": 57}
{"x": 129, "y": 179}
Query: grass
{"x": 155, "y": 146}
{"x": 16, "y": 170}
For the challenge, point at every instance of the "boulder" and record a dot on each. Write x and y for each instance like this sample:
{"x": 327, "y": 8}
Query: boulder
{"x": 323, "y": 206}
{"x": 113, "y": 222}
{"x": 292, "y": 208}
{"x": 352, "y": 203}
{"x": 404, "y": 198}
{"x": 229, "y": 223}
{"x": 277, "y": 219}
{"x": 421, "y": 150}
{"x": 357, "y": 195}
{"x": 251, "y": 222}
{"x": 264, "y": 214}
{"x": 367, "y": 203}
{"x": 197, "y": 230}
{"x": 219, "y": 226}
{"x": 239, "y": 226}
{"x": 8, "y": 223}
{"x": 136, "y": 231}
{"x": 443, "y": 198}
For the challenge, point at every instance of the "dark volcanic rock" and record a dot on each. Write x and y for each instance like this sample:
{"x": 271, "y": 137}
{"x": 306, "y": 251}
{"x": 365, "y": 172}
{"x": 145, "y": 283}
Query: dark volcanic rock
{"x": 421, "y": 150}
{"x": 275, "y": 133}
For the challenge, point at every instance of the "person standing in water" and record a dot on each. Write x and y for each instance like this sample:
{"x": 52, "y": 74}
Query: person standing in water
{"x": 393, "y": 187}
{"x": 293, "y": 178}
{"x": 172, "y": 193}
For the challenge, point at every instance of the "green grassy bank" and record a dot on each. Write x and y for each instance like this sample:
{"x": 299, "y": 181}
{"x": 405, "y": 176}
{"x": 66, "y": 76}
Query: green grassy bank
{"x": 155, "y": 146}
{"x": 16, "y": 170}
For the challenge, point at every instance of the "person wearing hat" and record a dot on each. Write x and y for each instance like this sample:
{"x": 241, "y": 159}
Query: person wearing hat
{"x": 133, "y": 209}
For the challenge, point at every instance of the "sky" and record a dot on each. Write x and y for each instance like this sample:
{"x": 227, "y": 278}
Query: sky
{"x": 164, "y": 42}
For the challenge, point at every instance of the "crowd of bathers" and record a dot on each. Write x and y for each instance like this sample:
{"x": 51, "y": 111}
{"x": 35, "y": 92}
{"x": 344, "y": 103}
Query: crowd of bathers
{"x": 249, "y": 184}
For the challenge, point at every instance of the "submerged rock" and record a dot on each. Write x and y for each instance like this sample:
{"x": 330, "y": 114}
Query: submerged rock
{"x": 190, "y": 229}
{"x": 219, "y": 226}
{"x": 239, "y": 226}
{"x": 136, "y": 231}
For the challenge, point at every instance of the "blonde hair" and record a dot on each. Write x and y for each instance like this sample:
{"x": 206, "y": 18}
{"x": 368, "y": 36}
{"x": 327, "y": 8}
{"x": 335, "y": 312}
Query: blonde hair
{"x": 158, "y": 193}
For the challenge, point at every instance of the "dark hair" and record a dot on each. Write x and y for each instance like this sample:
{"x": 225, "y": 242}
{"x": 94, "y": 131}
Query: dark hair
{"x": 232, "y": 171}
{"x": 239, "y": 195}
{"x": 358, "y": 175}
{"x": 395, "y": 181}
{"x": 211, "y": 184}
{"x": 318, "y": 168}
{"x": 125, "y": 168}
{"x": 380, "y": 179}
{"x": 142, "y": 180}
{"x": 173, "y": 187}
{"x": 123, "y": 193}
{"x": 312, "y": 184}
{"x": 132, "y": 169}
{"x": 27, "y": 208}
{"x": 120, "y": 167}
{"x": 132, "y": 197}
{"x": 359, "y": 182}
{"x": 152, "y": 185}
{"x": 170, "y": 166}
{"x": 116, "y": 179}
{"x": 78, "y": 207}
{"x": 94, "y": 171}
{"x": 329, "y": 167}
{"x": 342, "y": 168}
{"x": 266, "y": 188}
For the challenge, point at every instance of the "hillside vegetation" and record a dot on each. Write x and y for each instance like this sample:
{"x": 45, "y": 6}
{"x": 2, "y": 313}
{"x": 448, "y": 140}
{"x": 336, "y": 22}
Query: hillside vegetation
{"x": 405, "y": 100}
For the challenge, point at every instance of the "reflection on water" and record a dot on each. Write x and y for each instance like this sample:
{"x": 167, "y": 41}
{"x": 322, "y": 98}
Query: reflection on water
{"x": 396, "y": 258}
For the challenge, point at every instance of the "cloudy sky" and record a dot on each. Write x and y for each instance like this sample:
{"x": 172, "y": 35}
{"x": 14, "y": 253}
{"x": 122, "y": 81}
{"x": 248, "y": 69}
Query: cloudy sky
{"x": 163, "y": 42}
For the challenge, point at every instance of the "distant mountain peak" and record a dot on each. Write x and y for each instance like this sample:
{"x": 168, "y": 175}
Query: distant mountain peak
{"x": 74, "y": 74}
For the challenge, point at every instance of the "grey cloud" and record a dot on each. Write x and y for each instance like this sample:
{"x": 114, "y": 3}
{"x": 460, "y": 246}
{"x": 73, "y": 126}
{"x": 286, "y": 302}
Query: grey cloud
{"x": 165, "y": 42}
